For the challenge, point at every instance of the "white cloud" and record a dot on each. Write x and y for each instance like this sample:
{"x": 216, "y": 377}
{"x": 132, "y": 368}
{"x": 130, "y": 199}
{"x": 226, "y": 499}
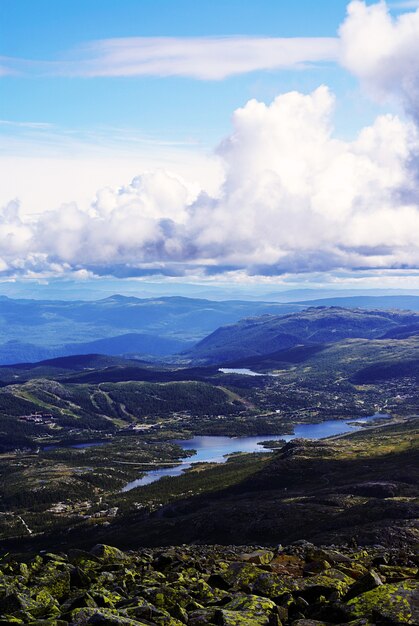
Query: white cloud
{"x": 45, "y": 165}
{"x": 383, "y": 51}
{"x": 203, "y": 58}
{"x": 295, "y": 199}
{"x": 211, "y": 58}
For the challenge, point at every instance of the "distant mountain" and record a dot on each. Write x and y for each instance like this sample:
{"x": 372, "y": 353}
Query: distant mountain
{"x": 99, "y": 368}
{"x": 140, "y": 344}
{"x": 402, "y": 302}
{"x": 131, "y": 343}
{"x": 15, "y": 351}
{"x": 265, "y": 335}
{"x": 116, "y": 325}
{"x": 76, "y": 363}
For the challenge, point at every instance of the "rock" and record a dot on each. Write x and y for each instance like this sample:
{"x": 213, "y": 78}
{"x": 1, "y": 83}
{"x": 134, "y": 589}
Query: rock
{"x": 218, "y": 582}
{"x": 389, "y": 604}
{"x": 308, "y": 622}
{"x": 143, "y": 610}
{"x": 224, "y": 617}
{"x": 82, "y": 558}
{"x": 79, "y": 578}
{"x": 108, "y": 553}
{"x": 259, "y": 557}
{"x": 44, "y": 605}
{"x": 14, "y": 601}
{"x": 393, "y": 573}
{"x": 354, "y": 570}
{"x": 240, "y": 575}
{"x": 214, "y": 586}
{"x": 314, "y": 567}
{"x": 107, "y": 617}
{"x": 79, "y": 601}
{"x": 331, "y": 556}
{"x": 168, "y": 597}
{"x": 202, "y": 617}
{"x": 257, "y": 604}
{"x": 274, "y": 587}
{"x": 366, "y": 583}
{"x": 324, "y": 584}
{"x": 56, "y": 582}
{"x": 287, "y": 565}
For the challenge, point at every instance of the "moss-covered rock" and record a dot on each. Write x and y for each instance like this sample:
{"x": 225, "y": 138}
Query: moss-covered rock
{"x": 108, "y": 553}
{"x": 260, "y": 557}
{"x": 107, "y": 617}
{"x": 390, "y": 603}
{"x": 226, "y": 617}
{"x": 332, "y": 581}
{"x": 214, "y": 585}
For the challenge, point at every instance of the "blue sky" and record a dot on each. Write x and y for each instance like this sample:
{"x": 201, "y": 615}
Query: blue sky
{"x": 76, "y": 118}
{"x": 169, "y": 107}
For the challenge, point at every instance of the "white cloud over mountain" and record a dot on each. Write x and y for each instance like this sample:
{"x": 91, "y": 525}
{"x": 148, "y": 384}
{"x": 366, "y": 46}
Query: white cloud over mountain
{"x": 295, "y": 197}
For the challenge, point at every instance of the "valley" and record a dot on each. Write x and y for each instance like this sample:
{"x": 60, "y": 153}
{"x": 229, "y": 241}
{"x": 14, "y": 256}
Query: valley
{"x": 271, "y": 430}
{"x": 91, "y": 442}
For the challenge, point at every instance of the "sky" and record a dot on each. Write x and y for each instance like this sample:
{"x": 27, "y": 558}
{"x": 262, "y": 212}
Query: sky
{"x": 228, "y": 142}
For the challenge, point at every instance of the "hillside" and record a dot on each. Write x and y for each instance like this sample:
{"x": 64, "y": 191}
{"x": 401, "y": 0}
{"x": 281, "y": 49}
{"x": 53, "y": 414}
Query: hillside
{"x": 116, "y": 325}
{"x": 144, "y": 344}
{"x": 316, "y": 325}
{"x": 374, "y": 302}
{"x": 75, "y": 431}
{"x": 362, "y": 486}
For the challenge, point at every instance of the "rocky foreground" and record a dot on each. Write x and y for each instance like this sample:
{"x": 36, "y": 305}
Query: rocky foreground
{"x": 299, "y": 585}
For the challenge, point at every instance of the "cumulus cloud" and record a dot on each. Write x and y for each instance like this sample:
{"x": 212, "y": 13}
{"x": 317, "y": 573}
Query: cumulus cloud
{"x": 295, "y": 199}
{"x": 383, "y": 51}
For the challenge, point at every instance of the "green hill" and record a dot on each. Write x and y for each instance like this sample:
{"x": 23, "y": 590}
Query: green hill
{"x": 268, "y": 334}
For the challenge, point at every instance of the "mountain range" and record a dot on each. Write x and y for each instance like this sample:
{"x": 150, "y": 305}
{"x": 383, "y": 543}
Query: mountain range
{"x": 156, "y": 328}
{"x": 115, "y": 325}
{"x": 268, "y": 334}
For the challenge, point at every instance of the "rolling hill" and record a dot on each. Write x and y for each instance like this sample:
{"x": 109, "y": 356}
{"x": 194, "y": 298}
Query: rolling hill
{"x": 268, "y": 334}
{"x": 116, "y": 325}
{"x": 385, "y": 302}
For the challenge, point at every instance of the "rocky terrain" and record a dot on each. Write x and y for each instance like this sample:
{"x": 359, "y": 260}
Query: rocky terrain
{"x": 299, "y": 585}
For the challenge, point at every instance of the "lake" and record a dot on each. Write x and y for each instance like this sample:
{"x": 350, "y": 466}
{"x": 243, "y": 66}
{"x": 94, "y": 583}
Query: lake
{"x": 217, "y": 448}
{"x": 240, "y": 370}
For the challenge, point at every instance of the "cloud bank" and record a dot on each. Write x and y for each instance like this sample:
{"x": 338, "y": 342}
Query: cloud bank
{"x": 295, "y": 197}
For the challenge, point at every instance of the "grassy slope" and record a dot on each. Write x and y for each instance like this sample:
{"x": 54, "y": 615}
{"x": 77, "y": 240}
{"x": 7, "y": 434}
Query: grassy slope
{"x": 364, "y": 485}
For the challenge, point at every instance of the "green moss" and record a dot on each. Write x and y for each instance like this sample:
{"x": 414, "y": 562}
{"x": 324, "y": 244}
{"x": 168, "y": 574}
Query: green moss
{"x": 108, "y": 553}
{"x": 257, "y": 604}
{"x": 243, "y": 618}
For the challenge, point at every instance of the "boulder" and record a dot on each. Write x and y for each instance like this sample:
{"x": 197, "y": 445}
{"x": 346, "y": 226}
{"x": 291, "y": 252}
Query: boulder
{"x": 390, "y": 604}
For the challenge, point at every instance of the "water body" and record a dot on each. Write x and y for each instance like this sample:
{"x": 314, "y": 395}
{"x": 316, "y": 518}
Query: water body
{"x": 241, "y": 370}
{"x": 216, "y": 449}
